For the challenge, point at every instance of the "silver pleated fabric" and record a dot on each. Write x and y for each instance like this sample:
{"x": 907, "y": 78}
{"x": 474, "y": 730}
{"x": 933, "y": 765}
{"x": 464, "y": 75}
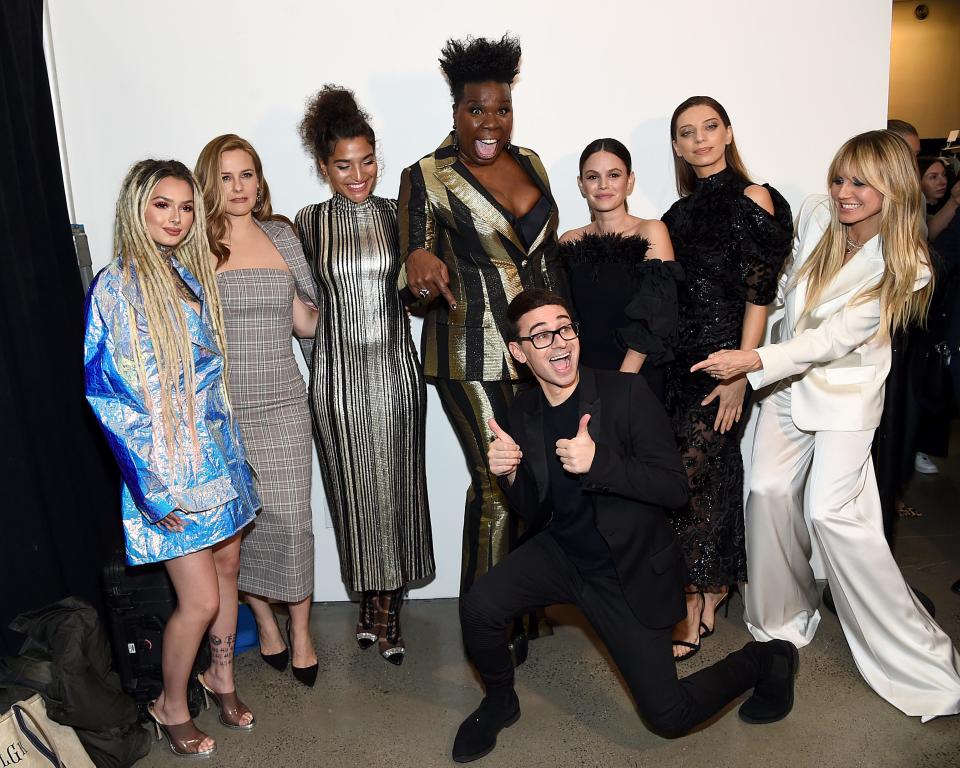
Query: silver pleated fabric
{"x": 898, "y": 648}
{"x": 269, "y": 401}
{"x": 368, "y": 395}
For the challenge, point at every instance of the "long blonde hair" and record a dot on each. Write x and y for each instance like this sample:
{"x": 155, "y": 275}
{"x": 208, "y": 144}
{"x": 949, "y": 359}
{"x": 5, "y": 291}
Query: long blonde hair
{"x": 207, "y": 171}
{"x": 166, "y": 318}
{"x": 884, "y": 161}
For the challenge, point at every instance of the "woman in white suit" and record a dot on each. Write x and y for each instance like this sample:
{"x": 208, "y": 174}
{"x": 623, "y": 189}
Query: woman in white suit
{"x": 860, "y": 271}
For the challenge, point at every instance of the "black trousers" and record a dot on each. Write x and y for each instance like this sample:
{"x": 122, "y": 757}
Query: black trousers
{"x": 539, "y": 574}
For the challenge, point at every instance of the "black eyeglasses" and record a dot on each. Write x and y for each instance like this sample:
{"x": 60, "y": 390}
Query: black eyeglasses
{"x": 544, "y": 339}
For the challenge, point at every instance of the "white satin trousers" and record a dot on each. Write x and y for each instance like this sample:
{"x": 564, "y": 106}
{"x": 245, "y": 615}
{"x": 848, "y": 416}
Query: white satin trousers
{"x": 900, "y": 651}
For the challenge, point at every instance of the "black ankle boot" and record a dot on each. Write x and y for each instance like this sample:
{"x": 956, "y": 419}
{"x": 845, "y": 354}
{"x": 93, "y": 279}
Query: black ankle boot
{"x": 477, "y": 735}
{"x": 772, "y": 697}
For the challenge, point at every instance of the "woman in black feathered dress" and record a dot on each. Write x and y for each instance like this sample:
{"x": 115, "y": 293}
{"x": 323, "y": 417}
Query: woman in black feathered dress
{"x": 623, "y": 279}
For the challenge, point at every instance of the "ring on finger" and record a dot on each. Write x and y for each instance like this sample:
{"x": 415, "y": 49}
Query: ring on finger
{"x": 424, "y": 293}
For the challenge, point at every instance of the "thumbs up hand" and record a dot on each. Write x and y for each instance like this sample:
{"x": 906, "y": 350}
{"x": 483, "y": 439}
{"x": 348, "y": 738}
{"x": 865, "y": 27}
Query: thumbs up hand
{"x": 576, "y": 454}
{"x": 503, "y": 455}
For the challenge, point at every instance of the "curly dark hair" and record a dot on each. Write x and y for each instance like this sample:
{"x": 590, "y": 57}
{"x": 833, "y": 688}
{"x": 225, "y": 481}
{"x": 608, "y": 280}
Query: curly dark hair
{"x": 333, "y": 114}
{"x": 479, "y": 60}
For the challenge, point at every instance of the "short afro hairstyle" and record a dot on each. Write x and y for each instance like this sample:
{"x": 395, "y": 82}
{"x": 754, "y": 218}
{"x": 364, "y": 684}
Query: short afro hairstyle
{"x": 333, "y": 114}
{"x": 479, "y": 60}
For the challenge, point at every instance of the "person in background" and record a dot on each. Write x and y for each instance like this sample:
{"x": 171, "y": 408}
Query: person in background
{"x": 154, "y": 358}
{"x": 928, "y": 413}
{"x": 367, "y": 388}
{"x": 267, "y": 295}
{"x": 935, "y": 181}
{"x": 887, "y": 444}
{"x": 906, "y": 131}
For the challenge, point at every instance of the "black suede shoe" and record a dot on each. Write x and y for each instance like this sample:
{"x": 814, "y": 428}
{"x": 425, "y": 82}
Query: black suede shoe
{"x": 772, "y": 697}
{"x": 477, "y": 735}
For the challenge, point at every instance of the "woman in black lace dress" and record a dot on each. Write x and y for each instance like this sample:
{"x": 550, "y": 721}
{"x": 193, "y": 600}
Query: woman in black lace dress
{"x": 621, "y": 272}
{"x": 731, "y": 237}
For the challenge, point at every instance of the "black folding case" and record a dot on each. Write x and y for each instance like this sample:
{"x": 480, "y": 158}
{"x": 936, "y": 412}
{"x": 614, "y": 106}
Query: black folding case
{"x": 139, "y": 600}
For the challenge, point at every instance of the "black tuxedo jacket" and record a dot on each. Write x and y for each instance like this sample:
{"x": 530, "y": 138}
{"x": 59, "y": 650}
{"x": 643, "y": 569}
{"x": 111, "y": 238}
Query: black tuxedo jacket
{"x": 635, "y": 477}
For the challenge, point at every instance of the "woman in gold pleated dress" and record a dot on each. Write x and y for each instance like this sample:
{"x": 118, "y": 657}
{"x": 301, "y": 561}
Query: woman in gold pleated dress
{"x": 367, "y": 390}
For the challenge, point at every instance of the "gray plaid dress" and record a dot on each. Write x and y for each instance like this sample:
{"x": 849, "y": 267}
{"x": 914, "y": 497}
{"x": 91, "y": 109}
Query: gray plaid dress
{"x": 269, "y": 401}
{"x": 368, "y": 395}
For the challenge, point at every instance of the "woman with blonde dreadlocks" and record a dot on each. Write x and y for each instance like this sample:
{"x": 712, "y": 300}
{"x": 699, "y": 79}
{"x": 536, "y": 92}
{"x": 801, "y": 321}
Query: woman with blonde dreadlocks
{"x": 154, "y": 367}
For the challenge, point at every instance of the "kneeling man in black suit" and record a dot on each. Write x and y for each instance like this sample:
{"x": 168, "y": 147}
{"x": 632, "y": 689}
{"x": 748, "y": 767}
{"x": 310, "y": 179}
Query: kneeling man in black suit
{"x": 589, "y": 462}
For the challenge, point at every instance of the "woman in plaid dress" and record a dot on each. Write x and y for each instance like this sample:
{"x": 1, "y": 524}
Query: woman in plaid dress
{"x": 267, "y": 295}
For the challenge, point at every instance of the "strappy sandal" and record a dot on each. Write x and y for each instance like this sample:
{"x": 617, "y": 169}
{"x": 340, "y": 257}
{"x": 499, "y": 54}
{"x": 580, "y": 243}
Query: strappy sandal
{"x": 367, "y": 625}
{"x": 231, "y": 708}
{"x": 724, "y": 601}
{"x": 391, "y": 645}
{"x": 184, "y": 739}
{"x": 693, "y": 648}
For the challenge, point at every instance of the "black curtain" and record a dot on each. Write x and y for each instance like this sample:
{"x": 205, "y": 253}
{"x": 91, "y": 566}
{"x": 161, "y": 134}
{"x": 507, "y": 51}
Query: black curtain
{"x": 59, "y": 508}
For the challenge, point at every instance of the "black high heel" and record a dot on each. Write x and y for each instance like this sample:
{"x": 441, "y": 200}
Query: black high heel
{"x": 306, "y": 675}
{"x": 367, "y": 625}
{"x": 277, "y": 660}
{"x": 693, "y": 648}
{"x": 706, "y": 631}
{"x": 391, "y": 641}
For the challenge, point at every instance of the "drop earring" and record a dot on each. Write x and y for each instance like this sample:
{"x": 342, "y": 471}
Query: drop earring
{"x": 259, "y": 204}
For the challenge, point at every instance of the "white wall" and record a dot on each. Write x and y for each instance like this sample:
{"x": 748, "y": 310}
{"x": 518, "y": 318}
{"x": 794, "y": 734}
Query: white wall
{"x": 139, "y": 80}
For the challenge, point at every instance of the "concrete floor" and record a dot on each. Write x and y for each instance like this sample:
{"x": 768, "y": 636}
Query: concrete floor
{"x": 576, "y": 711}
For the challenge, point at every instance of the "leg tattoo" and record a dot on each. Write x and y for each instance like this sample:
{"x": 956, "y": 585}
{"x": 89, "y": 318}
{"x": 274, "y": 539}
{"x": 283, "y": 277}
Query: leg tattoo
{"x": 221, "y": 649}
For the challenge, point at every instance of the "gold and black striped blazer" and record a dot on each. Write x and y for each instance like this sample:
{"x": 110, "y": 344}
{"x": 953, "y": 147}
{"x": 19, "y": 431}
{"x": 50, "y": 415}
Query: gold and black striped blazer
{"x": 444, "y": 210}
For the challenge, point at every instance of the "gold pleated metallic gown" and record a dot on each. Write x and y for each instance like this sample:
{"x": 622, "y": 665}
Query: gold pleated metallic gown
{"x": 367, "y": 395}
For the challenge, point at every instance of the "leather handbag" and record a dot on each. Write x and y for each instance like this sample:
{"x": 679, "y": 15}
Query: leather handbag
{"x": 30, "y": 739}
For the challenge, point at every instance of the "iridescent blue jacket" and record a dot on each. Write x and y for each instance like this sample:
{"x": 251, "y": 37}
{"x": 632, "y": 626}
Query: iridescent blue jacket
{"x": 208, "y": 482}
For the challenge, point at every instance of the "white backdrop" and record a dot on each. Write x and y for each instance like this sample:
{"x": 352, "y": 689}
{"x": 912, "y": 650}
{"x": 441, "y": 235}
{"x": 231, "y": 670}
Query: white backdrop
{"x": 138, "y": 80}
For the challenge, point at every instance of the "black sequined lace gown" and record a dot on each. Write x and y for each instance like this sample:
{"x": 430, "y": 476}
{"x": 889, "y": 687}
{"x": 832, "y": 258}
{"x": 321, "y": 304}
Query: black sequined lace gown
{"x": 731, "y": 251}
{"x": 623, "y": 301}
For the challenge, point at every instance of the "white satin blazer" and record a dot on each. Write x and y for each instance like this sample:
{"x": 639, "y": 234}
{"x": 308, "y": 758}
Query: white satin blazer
{"x": 832, "y": 355}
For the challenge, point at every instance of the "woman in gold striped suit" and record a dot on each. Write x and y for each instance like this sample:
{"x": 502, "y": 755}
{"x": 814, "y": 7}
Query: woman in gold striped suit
{"x": 477, "y": 225}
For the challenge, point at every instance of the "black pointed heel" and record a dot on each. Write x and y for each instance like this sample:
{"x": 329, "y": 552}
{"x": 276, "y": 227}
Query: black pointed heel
{"x": 277, "y": 660}
{"x": 306, "y": 675}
